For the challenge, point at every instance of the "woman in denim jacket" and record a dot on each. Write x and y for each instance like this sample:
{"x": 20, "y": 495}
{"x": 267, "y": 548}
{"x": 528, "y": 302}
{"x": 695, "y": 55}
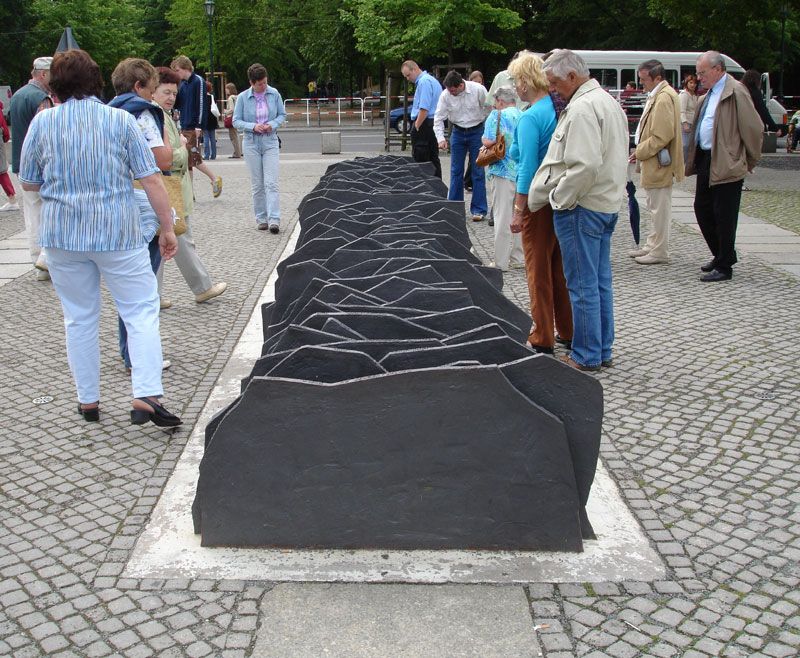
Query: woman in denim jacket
{"x": 258, "y": 114}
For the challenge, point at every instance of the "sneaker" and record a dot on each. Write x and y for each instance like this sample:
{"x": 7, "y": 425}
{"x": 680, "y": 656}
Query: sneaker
{"x": 578, "y": 366}
{"x": 214, "y": 291}
{"x": 649, "y": 259}
{"x": 166, "y": 364}
{"x": 165, "y": 303}
{"x": 8, "y": 207}
{"x": 274, "y": 228}
{"x": 477, "y": 218}
{"x": 41, "y": 264}
{"x": 636, "y": 253}
{"x": 216, "y": 187}
{"x": 42, "y": 275}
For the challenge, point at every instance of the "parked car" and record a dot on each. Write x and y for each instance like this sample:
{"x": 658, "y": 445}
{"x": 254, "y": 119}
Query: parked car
{"x": 400, "y": 119}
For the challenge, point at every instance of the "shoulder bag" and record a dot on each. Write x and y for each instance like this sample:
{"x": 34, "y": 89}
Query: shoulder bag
{"x": 494, "y": 153}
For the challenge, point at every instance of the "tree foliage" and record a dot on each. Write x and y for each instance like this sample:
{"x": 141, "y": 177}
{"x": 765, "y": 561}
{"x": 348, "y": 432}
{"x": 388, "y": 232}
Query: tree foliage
{"x": 109, "y": 30}
{"x": 390, "y": 31}
{"x": 348, "y": 40}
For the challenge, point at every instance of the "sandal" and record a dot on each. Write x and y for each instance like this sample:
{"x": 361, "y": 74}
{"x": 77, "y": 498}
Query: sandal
{"x": 90, "y": 414}
{"x": 158, "y": 416}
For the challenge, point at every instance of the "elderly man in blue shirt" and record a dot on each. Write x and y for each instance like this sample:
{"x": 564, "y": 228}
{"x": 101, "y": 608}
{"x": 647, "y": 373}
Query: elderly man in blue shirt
{"x": 424, "y": 145}
{"x": 82, "y": 157}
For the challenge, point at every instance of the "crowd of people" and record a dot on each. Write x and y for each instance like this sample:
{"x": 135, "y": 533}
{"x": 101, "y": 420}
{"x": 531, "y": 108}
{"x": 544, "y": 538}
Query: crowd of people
{"x": 107, "y": 194}
{"x": 557, "y": 189}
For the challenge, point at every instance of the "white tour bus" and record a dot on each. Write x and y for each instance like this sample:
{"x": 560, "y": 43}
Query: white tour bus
{"x": 613, "y": 69}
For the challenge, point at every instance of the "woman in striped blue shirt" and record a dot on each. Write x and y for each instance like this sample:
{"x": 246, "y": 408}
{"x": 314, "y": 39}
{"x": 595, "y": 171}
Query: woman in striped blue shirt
{"x": 82, "y": 157}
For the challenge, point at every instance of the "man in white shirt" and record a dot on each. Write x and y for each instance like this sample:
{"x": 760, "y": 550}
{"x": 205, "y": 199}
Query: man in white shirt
{"x": 462, "y": 105}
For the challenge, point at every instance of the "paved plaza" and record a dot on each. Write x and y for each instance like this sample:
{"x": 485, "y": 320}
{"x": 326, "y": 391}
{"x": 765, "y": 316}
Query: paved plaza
{"x": 700, "y": 436}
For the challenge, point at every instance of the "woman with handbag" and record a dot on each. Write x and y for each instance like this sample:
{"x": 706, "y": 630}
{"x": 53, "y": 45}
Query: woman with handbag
{"x": 546, "y": 283}
{"x": 230, "y": 103}
{"x": 135, "y": 80}
{"x": 501, "y": 176}
{"x": 187, "y": 259}
{"x": 210, "y": 125}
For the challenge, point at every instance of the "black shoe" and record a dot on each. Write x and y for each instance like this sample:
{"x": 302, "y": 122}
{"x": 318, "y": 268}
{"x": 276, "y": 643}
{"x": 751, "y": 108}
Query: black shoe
{"x": 491, "y": 221}
{"x": 563, "y": 341}
{"x": 263, "y": 226}
{"x": 159, "y": 416}
{"x": 608, "y": 363}
{"x": 91, "y": 415}
{"x": 707, "y": 267}
{"x": 274, "y": 228}
{"x": 541, "y": 350}
{"x": 716, "y": 275}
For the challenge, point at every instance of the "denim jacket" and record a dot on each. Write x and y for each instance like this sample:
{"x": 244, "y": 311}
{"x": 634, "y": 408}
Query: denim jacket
{"x": 244, "y": 113}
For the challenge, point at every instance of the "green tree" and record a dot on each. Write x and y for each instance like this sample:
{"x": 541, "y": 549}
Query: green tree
{"x": 389, "y": 31}
{"x": 109, "y": 30}
{"x": 245, "y": 31}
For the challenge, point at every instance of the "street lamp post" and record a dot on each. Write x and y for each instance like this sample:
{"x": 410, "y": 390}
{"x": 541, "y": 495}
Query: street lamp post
{"x": 209, "y": 7}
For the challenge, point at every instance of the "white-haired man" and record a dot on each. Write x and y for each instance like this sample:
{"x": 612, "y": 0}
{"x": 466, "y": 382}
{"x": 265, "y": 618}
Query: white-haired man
{"x": 25, "y": 103}
{"x": 583, "y": 178}
{"x": 724, "y": 146}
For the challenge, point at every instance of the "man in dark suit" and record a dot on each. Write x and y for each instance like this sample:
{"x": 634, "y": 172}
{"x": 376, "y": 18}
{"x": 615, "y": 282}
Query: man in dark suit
{"x": 725, "y": 146}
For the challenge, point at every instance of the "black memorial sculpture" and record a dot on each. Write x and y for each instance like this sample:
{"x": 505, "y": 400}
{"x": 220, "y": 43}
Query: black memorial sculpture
{"x": 395, "y": 403}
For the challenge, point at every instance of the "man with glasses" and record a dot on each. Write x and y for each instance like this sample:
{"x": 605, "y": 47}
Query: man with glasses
{"x": 462, "y": 105}
{"x": 725, "y": 145}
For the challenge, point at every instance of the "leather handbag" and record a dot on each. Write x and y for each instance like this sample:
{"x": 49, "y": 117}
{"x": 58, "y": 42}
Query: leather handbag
{"x": 173, "y": 186}
{"x": 494, "y": 153}
{"x": 228, "y": 121}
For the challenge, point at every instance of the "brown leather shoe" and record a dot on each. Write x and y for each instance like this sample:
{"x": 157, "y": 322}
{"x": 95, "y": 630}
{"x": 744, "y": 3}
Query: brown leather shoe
{"x": 574, "y": 364}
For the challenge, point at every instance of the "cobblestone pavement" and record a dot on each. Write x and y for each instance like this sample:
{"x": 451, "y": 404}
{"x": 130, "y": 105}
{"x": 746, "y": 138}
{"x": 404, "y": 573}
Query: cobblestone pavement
{"x": 700, "y": 434}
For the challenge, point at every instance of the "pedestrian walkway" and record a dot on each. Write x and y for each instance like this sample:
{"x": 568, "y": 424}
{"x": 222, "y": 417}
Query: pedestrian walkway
{"x": 701, "y": 420}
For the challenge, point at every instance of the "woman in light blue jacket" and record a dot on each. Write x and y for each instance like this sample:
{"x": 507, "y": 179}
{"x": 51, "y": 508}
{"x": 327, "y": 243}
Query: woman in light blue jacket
{"x": 258, "y": 114}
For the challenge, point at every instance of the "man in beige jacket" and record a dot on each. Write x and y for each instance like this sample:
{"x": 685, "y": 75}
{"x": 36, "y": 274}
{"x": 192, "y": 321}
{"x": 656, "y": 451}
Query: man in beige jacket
{"x": 725, "y": 145}
{"x": 658, "y": 132}
{"x": 583, "y": 177}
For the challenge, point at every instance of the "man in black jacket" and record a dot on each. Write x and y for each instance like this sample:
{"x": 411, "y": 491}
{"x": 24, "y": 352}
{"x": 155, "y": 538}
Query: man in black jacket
{"x": 193, "y": 110}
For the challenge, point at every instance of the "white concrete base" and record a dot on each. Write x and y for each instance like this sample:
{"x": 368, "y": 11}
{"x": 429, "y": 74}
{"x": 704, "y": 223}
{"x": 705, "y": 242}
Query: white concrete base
{"x": 360, "y": 621}
{"x": 168, "y": 548}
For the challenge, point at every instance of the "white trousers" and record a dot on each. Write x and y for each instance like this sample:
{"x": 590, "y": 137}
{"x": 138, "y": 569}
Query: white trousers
{"x": 507, "y": 245}
{"x": 32, "y": 214}
{"x": 659, "y": 203}
{"x": 188, "y": 261}
{"x": 132, "y": 284}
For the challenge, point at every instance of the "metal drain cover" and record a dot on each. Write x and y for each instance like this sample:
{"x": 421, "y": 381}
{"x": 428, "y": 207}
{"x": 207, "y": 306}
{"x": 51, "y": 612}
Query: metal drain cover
{"x": 43, "y": 399}
{"x": 767, "y": 395}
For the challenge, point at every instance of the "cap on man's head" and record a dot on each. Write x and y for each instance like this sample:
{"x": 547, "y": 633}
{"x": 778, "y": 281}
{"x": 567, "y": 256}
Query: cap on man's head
{"x": 42, "y": 63}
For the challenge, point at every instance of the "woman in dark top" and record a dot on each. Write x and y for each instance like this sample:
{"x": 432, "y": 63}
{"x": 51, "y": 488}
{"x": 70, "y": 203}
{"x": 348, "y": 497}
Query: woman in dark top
{"x": 752, "y": 80}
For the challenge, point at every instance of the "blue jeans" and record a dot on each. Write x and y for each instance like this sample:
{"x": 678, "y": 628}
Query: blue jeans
{"x": 155, "y": 263}
{"x": 585, "y": 240}
{"x": 461, "y": 143}
{"x": 261, "y": 155}
{"x": 209, "y": 145}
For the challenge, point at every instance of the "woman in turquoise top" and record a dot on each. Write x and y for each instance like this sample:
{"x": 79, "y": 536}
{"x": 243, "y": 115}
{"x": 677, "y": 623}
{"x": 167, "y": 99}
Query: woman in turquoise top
{"x": 501, "y": 179}
{"x": 548, "y": 289}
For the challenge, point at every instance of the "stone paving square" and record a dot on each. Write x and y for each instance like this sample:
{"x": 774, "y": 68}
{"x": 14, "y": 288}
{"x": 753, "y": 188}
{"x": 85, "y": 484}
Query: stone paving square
{"x": 700, "y": 435}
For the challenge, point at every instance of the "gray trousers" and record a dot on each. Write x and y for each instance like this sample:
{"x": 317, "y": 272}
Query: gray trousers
{"x": 188, "y": 261}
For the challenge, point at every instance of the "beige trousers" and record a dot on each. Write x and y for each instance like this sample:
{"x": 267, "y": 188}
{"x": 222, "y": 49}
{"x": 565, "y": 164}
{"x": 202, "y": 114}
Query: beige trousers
{"x": 507, "y": 245}
{"x": 31, "y": 213}
{"x": 659, "y": 203}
